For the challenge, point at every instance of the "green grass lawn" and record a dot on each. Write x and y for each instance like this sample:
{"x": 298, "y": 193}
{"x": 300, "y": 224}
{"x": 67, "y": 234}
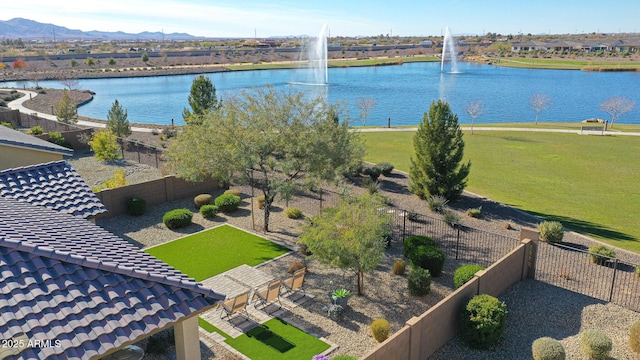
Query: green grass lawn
{"x": 213, "y": 251}
{"x": 566, "y": 64}
{"x": 275, "y": 339}
{"x": 589, "y": 183}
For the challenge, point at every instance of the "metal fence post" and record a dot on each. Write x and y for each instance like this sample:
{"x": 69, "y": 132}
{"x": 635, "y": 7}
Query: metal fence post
{"x": 457, "y": 242}
{"x": 613, "y": 279}
{"x": 404, "y": 225}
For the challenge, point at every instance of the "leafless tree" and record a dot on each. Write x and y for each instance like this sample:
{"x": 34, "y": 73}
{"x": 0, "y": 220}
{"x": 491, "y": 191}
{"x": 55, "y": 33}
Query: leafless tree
{"x": 616, "y": 107}
{"x": 365, "y": 104}
{"x": 475, "y": 109}
{"x": 69, "y": 80}
{"x": 36, "y": 72}
{"x": 540, "y": 102}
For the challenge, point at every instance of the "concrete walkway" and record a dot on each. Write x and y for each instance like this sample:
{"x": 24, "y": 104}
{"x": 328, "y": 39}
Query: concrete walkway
{"x": 18, "y": 104}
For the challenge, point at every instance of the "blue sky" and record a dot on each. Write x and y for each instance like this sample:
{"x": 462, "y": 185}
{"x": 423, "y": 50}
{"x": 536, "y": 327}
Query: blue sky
{"x": 344, "y": 18}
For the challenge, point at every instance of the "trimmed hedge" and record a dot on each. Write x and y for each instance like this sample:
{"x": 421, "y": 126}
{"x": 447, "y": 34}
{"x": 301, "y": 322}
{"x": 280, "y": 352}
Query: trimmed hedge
{"x": 202, "y": 199}
{"x": 483, "y": 321}
{"x": 595, "y": 344}
{"x": 380, "y": 329}
{"x": 465, "y": 273}
{"x": 428, "y": 257}
{"x": 551, "y": 231}
{"x": 208, "y": 211}
{"x": 547, "y": 348}
{"x": 177, "y": 218}
{"x": 600, "y": 254}
{"x": 136, "y": 206}
{"x": 228, "y": 202}
{"x": 419, "y": 281}
{"x": 412, "y": 242}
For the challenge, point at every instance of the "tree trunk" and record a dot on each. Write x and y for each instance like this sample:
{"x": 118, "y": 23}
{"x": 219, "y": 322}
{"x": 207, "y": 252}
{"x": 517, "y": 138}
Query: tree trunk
{"x": 267, "y": 212}
{"x": 360, "y": 282}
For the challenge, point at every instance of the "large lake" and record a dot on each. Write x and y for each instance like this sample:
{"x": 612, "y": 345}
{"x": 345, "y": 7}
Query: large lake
{"x": 403, "y": 93}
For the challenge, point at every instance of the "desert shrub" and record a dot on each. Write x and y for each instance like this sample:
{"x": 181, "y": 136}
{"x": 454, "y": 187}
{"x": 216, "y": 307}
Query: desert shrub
{"x": 399, "y": 267}
{"x": 465, "y": 273}
{"x": 419, "y": 281}
{"x": 261, "y": 201}
{"x": 428, "y": 257}
{"x": 177, "y": 218}
{"x": 634, "y": 338}
{"x": 411, "y": 216}
{"x": 547, "y": 348}
{"x": 235, "y": 192}
{"x": 208, "y": 211}
{"x": 551, "y": 231}
{"x": 451, "y": 218}
{"x": 57, "y": 138}
{"x": 475, "y": 212}
{"x": 104, "y": 145}
{"x": 600, "y": 254}
{"x": 413, "y": 241}
{"x": 483, "y": 321}
{"x": 387, "y": 236}
{"x": 638, "y": 271}
{"x": 36, "y": 130}
{"x": 344, "y": 357}
{"x": 437, "y": 203}
{"x": 385, "y": 168}
{"x": 228, "y": 202}
{"x": 293, "y": 213}
{"x": 372, "y": 172}
{"x": 380, "y": 329}
{"x": 304, "y": 250}
{"x": 595, "y": 344}
{"x": 118, "y": 179}
{"x": 202, "y": 199}
{"x": 136, "y": 206}
{"x": 296, "y": 265}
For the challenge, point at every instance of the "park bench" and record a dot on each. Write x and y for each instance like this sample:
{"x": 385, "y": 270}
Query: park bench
{"x": 592, "y": 128}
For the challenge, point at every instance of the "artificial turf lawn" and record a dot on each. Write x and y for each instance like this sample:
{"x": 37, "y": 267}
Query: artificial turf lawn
{"x": 587, "y": 182}
{"x": 213, "y": 251}
{"x": 275, "y": 339}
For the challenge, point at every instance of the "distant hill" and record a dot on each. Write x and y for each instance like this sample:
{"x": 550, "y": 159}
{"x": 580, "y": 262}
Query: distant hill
{"x": 29, "y": 29}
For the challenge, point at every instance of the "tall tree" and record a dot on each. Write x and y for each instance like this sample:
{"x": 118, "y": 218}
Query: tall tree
{"x": 616, "y": 107}
{"x": 202, "y": 100}
{"x": 281, "y": 135}
{"x": 365, "y": 104}
{"x": 475, "y": 109}
{"x": 117, "y": 120}
{"x": 66, "y": 109}
{"x": 540, "y": 102}
{"x": 439, "y": 148}
{"x": 350, "y": 236}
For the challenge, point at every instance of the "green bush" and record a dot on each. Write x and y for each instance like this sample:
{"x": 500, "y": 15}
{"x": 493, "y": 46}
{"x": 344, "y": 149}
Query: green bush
{"x": 202, "y": 199}
{"x": 36, "y": 130}
{"x": 547, "y": 348}
{"x": 428, "y": 257}
{"x": 177, "y": 218}
{"x": 399, "y": 267}
{"x": 419, "y": 281}
{"x": 136, "y": 206}
{"x": 293, "y": 213}
{"x": 451, "y": 218}
{"x": 57, "y": 138}
{"x": 380, "y": 329}
{"x": 437, "y": 203}
{"x": 634, "y": 338}
{"x": 595, "y": 344}
{"x": 600, "y": 254}
{"x": 413, "y": 241}
{"x": 465, "y": 273}
{"x": 208, "y": 211}
{"x": 385, "y": 168}
{"x": 475, "y": 212}
{"x": 483, "y": 321}
{"x": 551, "y": 231}
{"x": 104, "y": 145}
{"x": 372, "y": 172}
{"x": 228, "y": 202}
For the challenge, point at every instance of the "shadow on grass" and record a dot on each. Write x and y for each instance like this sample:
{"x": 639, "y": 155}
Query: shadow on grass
{"x": 586, "y": 227}
{"x": 269, "y": 338}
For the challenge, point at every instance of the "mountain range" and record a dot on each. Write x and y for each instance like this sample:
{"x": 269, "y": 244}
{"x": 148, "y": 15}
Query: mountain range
{"x": 29, "y": 29}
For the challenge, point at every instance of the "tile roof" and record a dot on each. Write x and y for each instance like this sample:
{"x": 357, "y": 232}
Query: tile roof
{"x": 55, "y": 185}
{"x": 14, "y": 138}
{"x": 66, "y": 279}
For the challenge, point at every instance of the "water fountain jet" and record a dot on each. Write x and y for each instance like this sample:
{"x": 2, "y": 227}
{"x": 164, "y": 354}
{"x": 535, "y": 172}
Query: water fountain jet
{"x": 449, "y": 48}
{"x": 316, "y": 53}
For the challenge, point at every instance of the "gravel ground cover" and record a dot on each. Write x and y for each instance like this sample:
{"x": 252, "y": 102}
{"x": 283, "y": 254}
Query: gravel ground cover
{"x": 386, "y": 295}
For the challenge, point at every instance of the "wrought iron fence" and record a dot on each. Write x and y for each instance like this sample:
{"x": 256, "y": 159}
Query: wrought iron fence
{"x": 574, "y": 268}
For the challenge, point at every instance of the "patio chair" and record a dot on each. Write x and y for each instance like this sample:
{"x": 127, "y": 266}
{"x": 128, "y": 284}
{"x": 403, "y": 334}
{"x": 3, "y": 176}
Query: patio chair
{"x": 235, "y": 305}
{"x": 270, "y": 294}
{"x": 295, "y": 282}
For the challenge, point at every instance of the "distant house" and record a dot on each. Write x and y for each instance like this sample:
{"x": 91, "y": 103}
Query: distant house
{"x": 71, "y": 290}
{"x": 528, "y": 45}
{"x": 54, "y": 185}
{"x": 18, "y": 149}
